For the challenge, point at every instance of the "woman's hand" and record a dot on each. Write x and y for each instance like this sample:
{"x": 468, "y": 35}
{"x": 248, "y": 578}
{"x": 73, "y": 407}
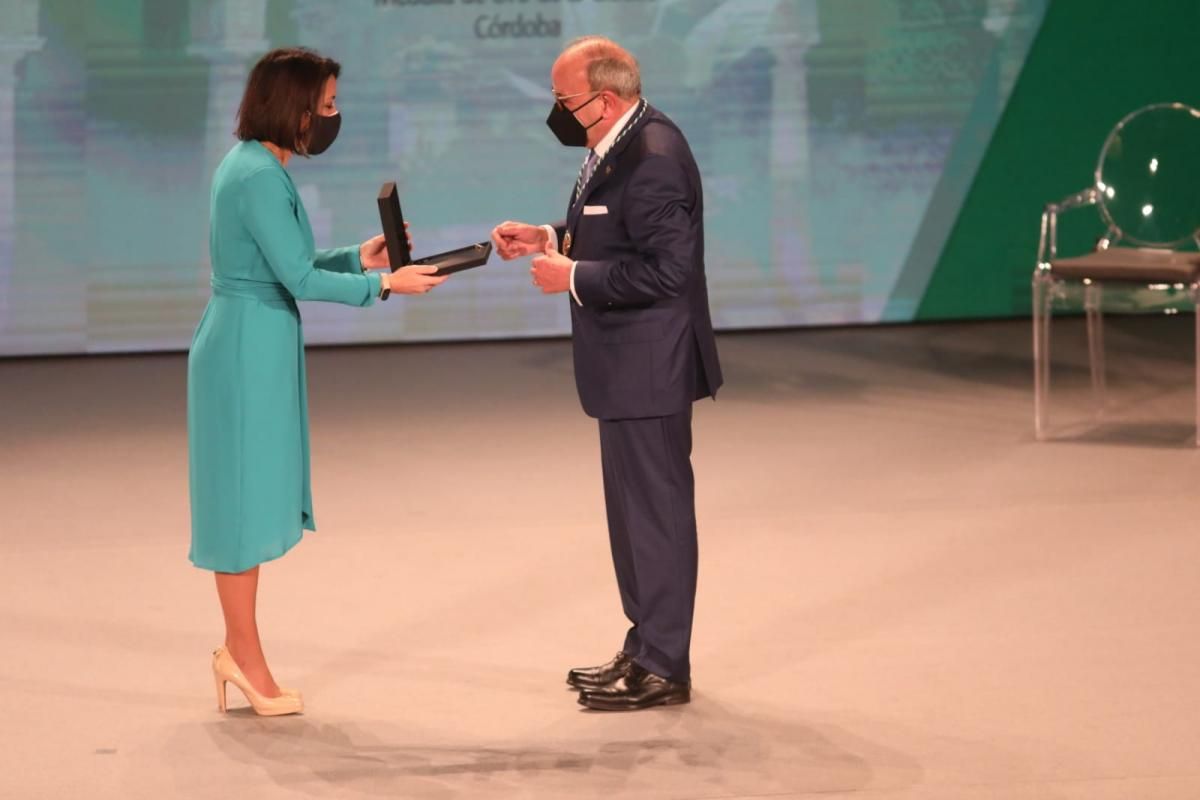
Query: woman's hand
{"x": 373, "y": 252}
{"x": 416, "y": 279}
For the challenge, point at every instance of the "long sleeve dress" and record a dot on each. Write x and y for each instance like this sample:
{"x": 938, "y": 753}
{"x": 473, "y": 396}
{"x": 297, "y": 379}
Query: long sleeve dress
{"x": 248, "y": 448}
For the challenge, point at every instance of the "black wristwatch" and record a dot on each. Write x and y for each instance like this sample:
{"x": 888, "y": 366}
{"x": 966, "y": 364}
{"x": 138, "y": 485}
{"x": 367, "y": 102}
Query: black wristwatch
{"x": 385, "y": 291}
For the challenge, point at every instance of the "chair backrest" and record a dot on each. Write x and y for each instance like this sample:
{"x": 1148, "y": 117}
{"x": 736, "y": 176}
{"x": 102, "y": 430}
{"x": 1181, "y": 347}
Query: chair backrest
{"x": 1148, "y": 177}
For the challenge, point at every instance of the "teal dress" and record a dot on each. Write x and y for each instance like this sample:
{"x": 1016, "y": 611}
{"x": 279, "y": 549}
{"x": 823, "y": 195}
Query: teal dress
{"x": 248, "y": 447}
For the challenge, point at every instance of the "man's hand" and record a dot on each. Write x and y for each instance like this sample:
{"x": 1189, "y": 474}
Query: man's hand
{"x": 551, "y": 271}
{"x": 516, "y": 239}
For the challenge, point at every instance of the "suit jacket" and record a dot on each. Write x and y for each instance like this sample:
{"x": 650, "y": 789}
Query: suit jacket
{"x": 643, "y": 337}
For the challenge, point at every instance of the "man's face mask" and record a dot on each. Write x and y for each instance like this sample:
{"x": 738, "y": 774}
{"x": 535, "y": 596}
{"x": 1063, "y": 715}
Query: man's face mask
{"x": 322, "y": 133}
{"x": 562, "y": 121}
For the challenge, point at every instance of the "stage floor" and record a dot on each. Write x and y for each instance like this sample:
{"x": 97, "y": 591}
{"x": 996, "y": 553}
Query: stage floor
{"x": 902, "y": 595}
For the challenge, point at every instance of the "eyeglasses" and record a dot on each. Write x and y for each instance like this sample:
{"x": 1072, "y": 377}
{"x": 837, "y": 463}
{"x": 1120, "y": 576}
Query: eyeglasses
{"x": 558, "y": 98}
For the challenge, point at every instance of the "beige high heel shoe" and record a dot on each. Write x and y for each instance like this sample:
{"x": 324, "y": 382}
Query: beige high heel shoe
{"x": 226, "y": 670}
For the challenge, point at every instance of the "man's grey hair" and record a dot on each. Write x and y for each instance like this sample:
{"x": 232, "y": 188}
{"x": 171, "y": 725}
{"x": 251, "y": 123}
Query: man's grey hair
{"x": 609, "y": 66}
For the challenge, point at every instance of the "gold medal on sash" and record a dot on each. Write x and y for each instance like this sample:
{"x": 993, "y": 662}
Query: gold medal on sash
{"x": 567, "y": 244}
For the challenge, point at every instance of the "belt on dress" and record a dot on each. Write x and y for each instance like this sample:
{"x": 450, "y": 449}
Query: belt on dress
{"x": 253, "y": 290}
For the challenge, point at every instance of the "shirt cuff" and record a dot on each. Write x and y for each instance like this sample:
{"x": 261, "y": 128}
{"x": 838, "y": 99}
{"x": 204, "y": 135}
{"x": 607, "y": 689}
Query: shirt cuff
{"x": 574, "y": 264}
{"x": 553, "y": 234}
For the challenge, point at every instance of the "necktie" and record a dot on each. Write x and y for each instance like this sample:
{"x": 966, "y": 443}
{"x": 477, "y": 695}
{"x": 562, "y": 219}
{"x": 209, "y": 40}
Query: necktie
{"x": 585, "y": 173}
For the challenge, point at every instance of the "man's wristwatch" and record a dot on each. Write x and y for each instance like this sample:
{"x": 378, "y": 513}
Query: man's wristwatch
{"x": 385, "y": 290}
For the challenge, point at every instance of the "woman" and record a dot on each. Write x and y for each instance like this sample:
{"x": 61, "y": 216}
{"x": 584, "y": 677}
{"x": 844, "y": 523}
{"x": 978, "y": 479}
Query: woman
{"x": 247, "y": 405}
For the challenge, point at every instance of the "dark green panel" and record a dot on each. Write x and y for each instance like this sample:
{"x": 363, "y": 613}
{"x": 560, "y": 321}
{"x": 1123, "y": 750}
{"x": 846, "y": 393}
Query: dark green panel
{"x": 1090, "y": 65}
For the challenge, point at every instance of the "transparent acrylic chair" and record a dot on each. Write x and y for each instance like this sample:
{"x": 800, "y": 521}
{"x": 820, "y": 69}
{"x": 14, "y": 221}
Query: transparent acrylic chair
{"x": 1147, "y": 190}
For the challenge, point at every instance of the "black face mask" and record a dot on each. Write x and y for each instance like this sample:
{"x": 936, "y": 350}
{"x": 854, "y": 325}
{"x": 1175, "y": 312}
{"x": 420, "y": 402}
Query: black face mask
{"x": 322, "y": 132}
{"x": 569, "y": 130}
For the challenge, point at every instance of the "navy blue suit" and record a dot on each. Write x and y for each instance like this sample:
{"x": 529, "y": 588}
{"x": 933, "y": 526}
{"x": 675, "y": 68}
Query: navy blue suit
{"x": 644, "y": 351}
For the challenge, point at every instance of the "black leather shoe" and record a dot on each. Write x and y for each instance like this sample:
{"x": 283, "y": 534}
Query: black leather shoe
{"x": 597, "y": 677}
{"x": 636, "y": 690}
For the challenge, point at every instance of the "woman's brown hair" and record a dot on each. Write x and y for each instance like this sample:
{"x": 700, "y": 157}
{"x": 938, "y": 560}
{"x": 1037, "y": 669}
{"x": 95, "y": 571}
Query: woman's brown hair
{"x": 283, "y": 85}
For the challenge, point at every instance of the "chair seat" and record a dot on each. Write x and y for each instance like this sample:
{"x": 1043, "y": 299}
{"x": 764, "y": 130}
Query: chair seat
{"x": 1141, "y": 265}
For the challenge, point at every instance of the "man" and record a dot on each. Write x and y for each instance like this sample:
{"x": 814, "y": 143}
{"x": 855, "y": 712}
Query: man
{"x": 631, "y": 254}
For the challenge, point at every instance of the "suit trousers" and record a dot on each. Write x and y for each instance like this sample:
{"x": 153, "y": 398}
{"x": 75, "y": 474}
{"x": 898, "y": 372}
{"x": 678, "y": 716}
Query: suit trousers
{"x": 649, "y": 494}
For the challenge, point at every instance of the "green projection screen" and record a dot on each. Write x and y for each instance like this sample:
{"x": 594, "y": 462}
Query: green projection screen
{"x": 837, "y": 139}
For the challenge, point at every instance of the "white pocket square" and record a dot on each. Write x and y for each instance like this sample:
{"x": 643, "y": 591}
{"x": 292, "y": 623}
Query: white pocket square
{"x": 593, "y": 211}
